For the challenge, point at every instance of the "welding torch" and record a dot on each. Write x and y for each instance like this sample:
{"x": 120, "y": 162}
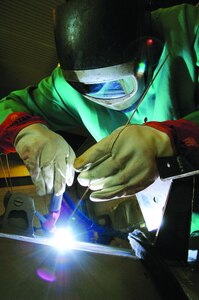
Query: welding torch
{"x": 48, "y": 222}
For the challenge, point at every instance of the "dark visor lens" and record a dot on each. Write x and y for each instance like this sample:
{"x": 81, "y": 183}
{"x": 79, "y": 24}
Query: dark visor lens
{"x": 107, "y": 90}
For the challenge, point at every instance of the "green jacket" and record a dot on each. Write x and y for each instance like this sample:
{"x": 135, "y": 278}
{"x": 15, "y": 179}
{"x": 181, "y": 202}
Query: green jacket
{"x": 174, "y": 93}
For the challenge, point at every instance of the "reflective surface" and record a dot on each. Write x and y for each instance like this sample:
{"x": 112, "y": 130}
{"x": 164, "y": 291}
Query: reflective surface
{"x": 33, "y": 271}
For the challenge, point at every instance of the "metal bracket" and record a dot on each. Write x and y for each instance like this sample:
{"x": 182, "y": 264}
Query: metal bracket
{"x": 172, "y": 238}
{"x": 175, "y": 167}
{"x": 19, "y": 214}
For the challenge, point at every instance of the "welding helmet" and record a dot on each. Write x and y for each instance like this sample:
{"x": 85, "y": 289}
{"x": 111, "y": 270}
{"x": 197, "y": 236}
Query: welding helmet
{"x": 104, "y": 50}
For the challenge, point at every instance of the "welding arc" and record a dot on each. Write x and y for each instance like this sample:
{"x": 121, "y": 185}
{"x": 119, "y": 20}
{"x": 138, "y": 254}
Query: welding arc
{"x": 79, "y": 202}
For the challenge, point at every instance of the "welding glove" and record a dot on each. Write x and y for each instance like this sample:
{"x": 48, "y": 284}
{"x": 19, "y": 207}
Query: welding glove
{"x": 48, "y": 158}
{"x": 123, "y": 163}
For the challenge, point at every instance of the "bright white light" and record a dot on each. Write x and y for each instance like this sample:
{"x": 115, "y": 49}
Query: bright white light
{"x": 63, "y": 239}
{"x": 152, "y": 201}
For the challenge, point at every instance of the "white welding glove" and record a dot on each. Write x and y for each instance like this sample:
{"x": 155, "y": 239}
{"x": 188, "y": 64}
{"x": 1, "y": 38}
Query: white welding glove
{"x": 48, "y": 158}
{"x": 123, "y": 163}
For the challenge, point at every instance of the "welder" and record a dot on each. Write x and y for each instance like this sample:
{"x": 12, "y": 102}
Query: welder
{"x": 130, "y": 77}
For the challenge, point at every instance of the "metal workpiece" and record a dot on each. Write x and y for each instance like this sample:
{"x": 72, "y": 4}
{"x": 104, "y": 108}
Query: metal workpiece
{"x": 80, "y": 246}
{"x": 166, "y": 252}
{"x": 175, "y": 167}
{"x": 180, "y": 205}
{"x": 172, "y": 238}
{"x": 34, "y": 271}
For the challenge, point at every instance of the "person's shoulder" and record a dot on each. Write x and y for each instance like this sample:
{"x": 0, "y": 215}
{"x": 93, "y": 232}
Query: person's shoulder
{"x": 57, "y": 72}
{"x": 184, "y": 8}
{"x": 176, "y": 17}
{"x": 57, "y": 76}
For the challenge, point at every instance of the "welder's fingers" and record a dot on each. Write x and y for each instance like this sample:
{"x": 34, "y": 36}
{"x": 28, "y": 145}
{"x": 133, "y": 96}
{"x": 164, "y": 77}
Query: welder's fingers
{"x": 43, "y": 179}
{"x": 35, "y": 171}
{"x": 70, "y": 172}
{"x": 112, "y": 182}
{"x": 105, "y": 191}
{"x": 98, "y": 173}
{"x": 63, "y": 174}
{"x": 47, "y": 179}
{"x": 59, "y": 185}
{"x": 113, "y": 193}
{"x": 54, "y": 177}
{"x": 124, "y": 162}
{"x": 38, "y": 181}
{"x": 96, "y": 154}
{"x": 114, "y": 187}
{"x": 48, "y": 157}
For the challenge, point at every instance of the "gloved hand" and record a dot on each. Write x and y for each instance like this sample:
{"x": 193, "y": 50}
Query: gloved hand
{"x": 123, "y": 163}
{"x": 47, "y": 156}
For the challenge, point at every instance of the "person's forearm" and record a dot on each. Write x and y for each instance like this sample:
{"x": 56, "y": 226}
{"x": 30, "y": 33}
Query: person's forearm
{"x": 184, "y": 135}
{"x": 11, "y": 127}
{"x": 193, "y": 117}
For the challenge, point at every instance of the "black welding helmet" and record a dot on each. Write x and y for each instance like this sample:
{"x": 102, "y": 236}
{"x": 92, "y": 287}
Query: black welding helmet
{"x": 104, "y": 50}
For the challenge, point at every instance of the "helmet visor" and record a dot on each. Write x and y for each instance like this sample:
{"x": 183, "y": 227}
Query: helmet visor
{"x": 112, "y": 91}
{"x": 120, "y": 86}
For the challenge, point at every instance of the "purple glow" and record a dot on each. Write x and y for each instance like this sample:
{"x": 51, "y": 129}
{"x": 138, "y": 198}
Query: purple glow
{"x": 46, "y": 274}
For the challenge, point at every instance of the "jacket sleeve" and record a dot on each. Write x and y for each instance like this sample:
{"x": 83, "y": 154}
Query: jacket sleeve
{"x": 11, "y": 126}
{"x": 184, "y": 132}
{"x": 35, "y": 104}
{"x": 184, "y": 136}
